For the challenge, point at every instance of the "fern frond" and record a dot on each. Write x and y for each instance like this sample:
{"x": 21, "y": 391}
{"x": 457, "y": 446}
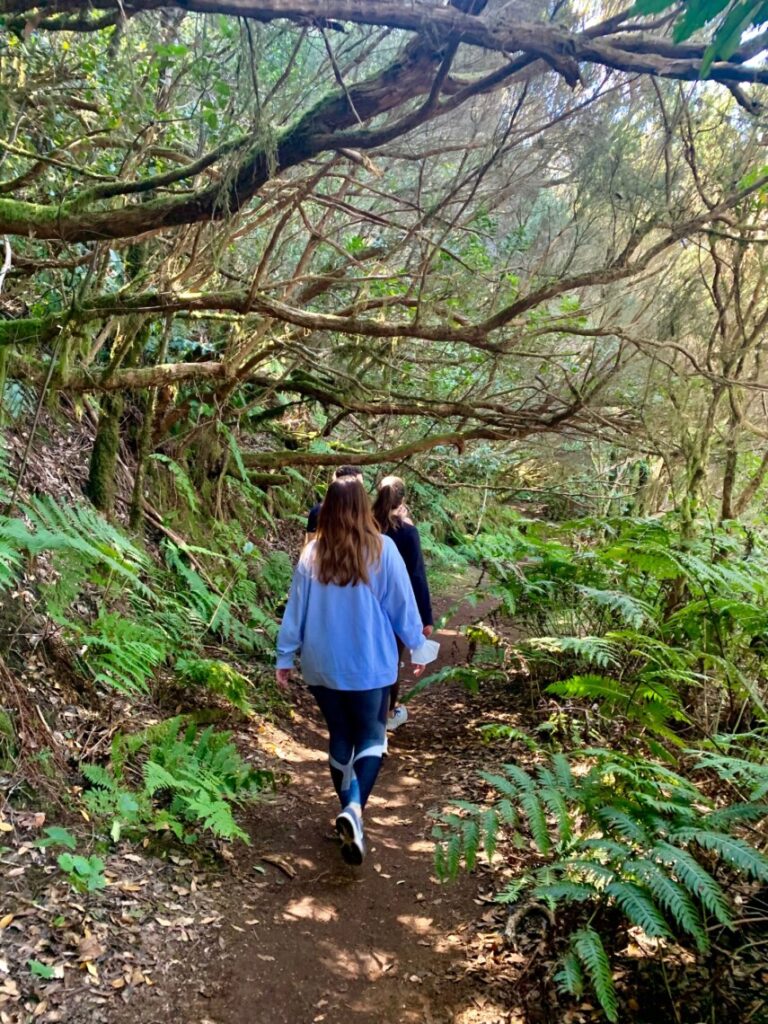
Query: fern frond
{"x": 569, "y": 978}
{"x": 674, "y": 898}
{"x": 564, "y": 892}
{"x": 725, "y": 817}
{"x": 639, "y": 907}
{"x": 588, "y": 947}
{"x": 696, "y": 879}
{"x": 529, "y": 801}
{"x": 619, "y": 821}
{"x": 734, "y": 851}
{"x": 98, "y": 776}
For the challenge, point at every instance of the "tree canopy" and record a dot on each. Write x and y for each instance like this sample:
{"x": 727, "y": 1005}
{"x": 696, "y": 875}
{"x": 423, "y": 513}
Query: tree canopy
{"x": 424, "y": 224}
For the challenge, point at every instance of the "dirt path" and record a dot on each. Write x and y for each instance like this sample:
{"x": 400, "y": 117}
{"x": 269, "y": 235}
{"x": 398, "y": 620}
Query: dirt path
{"x": 311, "y": 936}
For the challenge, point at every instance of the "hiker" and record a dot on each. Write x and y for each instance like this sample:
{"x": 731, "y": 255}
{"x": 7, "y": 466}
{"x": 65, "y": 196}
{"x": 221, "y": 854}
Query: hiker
{"x": 393, "y": 519}
{"x": 350, "y": 599}
{"x": 340, "y": 473}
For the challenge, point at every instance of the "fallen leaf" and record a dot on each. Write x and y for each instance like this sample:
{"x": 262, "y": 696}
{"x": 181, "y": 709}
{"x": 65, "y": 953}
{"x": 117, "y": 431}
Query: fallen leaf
{"x": 5, "y": 826}
{"x": 5, "y": 921}
{"x": 281, "y": 862}
{"x": 89, "y": 948}
{"x": 31, "y": 819}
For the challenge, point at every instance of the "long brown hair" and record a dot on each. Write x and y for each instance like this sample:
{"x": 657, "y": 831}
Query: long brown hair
{"x": 348, "y": 540}
{"x": 388, "y": 501}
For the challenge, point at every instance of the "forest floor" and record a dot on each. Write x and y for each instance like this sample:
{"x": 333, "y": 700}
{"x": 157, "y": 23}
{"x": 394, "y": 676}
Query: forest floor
{"x": 285, "y": 932}
{"x": 281, "y": 931}
{"x": 303, "y": 936}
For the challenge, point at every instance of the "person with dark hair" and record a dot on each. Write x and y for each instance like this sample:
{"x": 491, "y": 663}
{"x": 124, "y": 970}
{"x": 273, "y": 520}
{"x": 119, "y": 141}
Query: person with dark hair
{"x": 340, "y": 473}
{"x": 350, "y": 601}
{"x": 391, "y": 514}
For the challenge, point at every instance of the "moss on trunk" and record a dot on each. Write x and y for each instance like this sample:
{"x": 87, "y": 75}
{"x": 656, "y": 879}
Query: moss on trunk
{"x": 101, "y": 474}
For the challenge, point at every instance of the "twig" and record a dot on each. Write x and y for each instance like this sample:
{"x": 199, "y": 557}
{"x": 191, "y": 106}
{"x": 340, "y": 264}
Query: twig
{"x": 338, "y": 76}
{"x": 35, "y": 422}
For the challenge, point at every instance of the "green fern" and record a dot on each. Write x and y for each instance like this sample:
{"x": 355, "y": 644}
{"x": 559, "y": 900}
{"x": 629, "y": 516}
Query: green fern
{"x": 587, "y": 946}
{"x": 188, "y": 780}
{"x": 122, "y": 653}
{"x": 180, "y": 478}
{"x": 734, "y": 851}
{"x": 673, "y": 898}
{"x": 218, "y": 677}
{"x": 639, "y": 907}
{"x": 77, "y": 529}
{"x": 696, "y": 879}
{"x": 626, "y": 832}
{"x": 569, "y": 977}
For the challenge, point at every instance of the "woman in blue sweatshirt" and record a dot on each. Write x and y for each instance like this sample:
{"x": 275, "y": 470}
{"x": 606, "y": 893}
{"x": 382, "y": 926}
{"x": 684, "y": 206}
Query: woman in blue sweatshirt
{"x": 350, "y": 598}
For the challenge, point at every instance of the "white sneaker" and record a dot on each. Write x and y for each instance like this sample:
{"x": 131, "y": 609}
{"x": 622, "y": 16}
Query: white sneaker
{"x": 350, "y": 830}
{"x": 397, "y": 717}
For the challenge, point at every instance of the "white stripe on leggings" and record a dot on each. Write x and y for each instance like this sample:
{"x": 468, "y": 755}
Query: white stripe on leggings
{"x": 377, "y": 750}
{"x": 347, "y": 770}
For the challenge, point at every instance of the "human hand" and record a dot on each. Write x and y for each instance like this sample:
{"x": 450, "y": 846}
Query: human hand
{"x": 282, "y": 677}
{"x": 428, "y": 630}
{"x": 416, "y": 670}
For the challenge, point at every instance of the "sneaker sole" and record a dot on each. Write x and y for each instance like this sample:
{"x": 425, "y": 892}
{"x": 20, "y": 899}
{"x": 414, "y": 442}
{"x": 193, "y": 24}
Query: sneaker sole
{"x": 351, "y": 849}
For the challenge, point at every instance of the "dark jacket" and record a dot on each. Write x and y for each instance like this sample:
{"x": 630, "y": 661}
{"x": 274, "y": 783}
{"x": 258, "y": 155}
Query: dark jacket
{"x": 406, "y": 538}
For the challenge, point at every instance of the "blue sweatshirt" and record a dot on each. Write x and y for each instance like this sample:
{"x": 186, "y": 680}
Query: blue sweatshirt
{"x": 346, "y": 635}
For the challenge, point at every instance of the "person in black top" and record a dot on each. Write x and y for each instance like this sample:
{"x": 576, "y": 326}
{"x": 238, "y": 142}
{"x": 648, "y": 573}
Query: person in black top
{"x": 339, "y": 473}
{"x": 392, "y": 516}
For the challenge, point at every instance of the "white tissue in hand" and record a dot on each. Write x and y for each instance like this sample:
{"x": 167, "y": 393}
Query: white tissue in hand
{"x": 426, "y": 653}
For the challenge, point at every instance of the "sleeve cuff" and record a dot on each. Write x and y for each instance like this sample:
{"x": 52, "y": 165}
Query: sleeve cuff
{"x": 284, "y": 661}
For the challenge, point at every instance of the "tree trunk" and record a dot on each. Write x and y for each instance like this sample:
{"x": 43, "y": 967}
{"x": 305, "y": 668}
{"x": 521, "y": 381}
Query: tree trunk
{"x": 101, "y": 474}
{"x": 729, "y": 481}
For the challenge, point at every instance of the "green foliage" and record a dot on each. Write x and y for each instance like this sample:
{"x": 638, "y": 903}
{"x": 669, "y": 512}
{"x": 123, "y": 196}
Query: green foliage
{"x": 123, "y": 653}
{"x": 587, "y": 947}
{"x": 275, "y": 574}
{"x": 148, "y": 614}
{"x": 41, "y": 970}
{"x": 55, "y": 835}
{"x": 81, "y": 539}
{"x": 188, "y": 779}
{"x": 733, "y": 17}
{"x": 219, "y": 677}
{"x": 8, "y": 740}
{"x": 85, "y": 874}
{"x": 625, "y": 833}
{"x": 181, "y": 479}
{"x": 658, "y": 617}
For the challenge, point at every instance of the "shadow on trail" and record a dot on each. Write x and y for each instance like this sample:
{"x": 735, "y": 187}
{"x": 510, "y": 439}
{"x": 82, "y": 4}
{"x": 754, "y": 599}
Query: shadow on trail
{"x": 306, "y": 937}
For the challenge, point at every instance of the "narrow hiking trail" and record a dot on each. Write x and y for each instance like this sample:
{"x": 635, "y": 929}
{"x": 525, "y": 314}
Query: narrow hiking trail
{"x": 304, "y": 936}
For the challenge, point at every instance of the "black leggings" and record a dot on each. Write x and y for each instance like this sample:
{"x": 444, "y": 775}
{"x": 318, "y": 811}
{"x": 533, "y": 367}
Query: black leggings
{"x": 357, "y": 723}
